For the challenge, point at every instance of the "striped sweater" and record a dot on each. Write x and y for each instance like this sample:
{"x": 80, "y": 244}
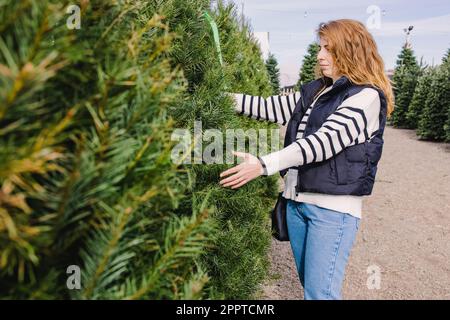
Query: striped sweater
{"x": 353, "y": 122}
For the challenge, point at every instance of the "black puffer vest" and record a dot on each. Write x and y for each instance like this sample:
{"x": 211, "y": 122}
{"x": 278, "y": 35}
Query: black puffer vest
{"x": 351, "y": 171}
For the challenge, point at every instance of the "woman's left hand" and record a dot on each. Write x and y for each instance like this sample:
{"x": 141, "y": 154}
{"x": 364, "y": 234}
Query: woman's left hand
{"x": 245, "y": 172}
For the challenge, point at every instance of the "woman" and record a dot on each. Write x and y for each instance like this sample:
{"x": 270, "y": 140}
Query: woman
{"x": 333, "y": 143}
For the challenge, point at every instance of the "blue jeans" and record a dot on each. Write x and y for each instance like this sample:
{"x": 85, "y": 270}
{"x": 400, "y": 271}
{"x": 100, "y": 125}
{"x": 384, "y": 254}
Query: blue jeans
{"x": 321, "y": 240}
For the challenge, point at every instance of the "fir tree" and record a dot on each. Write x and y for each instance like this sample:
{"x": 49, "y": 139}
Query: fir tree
{"x": 274, "y": 73}
{"x": 243, "y": 227}
{"x": 435, "y": 114}
{"x": 405, "y": 78}
{"x": 86, "y": 157}
{"x": 307, "y": 71}
{"x": 446, "y": 57}
{"x": 447, "y": 125}
{"x": 446, "y": 63}
{"x": 86, "y": 174}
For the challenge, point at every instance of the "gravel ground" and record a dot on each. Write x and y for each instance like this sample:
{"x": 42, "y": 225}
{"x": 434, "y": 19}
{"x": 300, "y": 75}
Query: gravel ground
{"x": 404, "y": 231}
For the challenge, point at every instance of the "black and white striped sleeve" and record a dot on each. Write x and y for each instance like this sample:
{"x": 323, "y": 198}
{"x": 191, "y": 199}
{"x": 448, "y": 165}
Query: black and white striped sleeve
{"x": 277, "y": 109}
{"x": 353, "y": 122}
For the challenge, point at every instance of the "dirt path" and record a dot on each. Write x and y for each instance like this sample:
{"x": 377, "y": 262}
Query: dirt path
{"x": 405, "y": 229}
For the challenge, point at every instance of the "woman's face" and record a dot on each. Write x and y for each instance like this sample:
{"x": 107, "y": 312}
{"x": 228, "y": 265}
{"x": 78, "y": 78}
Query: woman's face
{"x": 326, "y": 61}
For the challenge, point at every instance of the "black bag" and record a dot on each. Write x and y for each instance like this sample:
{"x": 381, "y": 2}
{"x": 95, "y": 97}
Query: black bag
{"x": 279, "y": 225}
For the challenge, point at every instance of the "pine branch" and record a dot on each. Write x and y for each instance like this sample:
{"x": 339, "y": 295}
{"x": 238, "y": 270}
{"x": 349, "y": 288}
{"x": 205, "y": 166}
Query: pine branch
{"x": 185, "y": 239}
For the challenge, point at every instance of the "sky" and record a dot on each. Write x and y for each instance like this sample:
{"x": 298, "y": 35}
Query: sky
{"x": 291, "y": 25}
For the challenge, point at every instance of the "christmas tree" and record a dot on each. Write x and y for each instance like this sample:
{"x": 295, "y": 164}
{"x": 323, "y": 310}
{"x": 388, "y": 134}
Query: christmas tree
{"x": 418, "y": 102}
{"x": 446, "y": 62}
{"x": 446, "y": 57}
{"x": 307, "y": 71}
{"x": 242, "y": 240}
{"x": 447, "y": 126}
{"x": 87, "y": 177}
{"x": 274, "y": 73}
{"x": 89, "y": 99}
{"x": 432, "y": 124}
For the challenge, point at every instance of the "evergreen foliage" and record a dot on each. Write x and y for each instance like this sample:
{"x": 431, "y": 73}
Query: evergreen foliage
{"x": 274, "y": 73}
{"x": 406, "y": 73}
{"x": 432, "y": 124}
{"x": 86, "y": 174}
{"x": 308, "y": 65}
{"x": 417, "y": 105}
